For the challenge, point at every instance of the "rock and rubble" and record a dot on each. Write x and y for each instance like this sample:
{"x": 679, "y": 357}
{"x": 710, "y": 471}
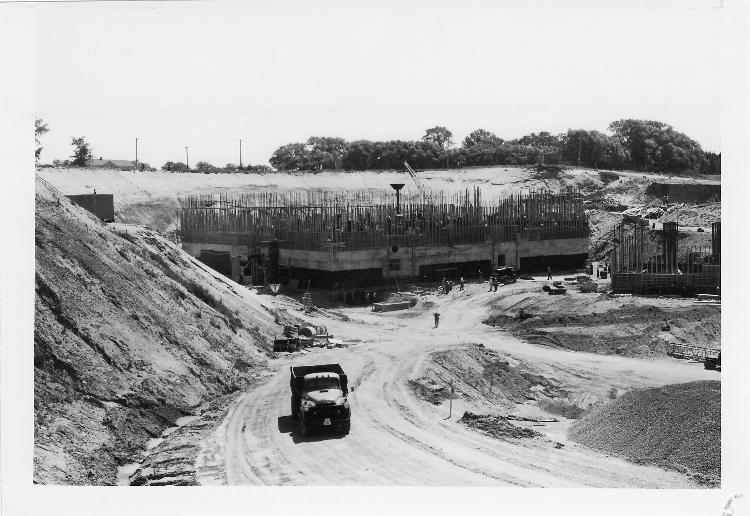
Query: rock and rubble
{"x": 676, "y": 426}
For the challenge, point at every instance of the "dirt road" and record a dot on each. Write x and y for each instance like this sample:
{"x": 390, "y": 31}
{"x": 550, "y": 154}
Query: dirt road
{"x": 398, "y": 439}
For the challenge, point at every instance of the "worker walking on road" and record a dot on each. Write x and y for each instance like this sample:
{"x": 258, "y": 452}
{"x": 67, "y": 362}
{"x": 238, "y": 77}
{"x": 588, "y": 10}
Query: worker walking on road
{"x": 461, "y": 283}
{"x": 437, "y": 319}
{"x": 549, "y": 273}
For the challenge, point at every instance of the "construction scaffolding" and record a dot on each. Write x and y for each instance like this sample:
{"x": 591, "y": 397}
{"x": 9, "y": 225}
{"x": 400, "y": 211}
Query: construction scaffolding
{"x": 370, "y": 219}
{"x": 644, "y": 261}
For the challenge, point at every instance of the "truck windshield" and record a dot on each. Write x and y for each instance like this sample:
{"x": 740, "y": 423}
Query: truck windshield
{"x": 320, "y": 383}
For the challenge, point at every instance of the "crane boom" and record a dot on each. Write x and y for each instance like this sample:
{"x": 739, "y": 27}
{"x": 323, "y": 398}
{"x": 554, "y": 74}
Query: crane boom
{"x": 423, "y": 188}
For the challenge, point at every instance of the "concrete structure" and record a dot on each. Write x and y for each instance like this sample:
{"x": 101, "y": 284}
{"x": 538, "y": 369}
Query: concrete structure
{"x": 644, "y": 264}
{"x": 101, "y": 205}
{"x": 347, "y": 243}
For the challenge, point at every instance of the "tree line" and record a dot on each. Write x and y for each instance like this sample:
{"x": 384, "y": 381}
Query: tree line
{"x": 642, "y": 145}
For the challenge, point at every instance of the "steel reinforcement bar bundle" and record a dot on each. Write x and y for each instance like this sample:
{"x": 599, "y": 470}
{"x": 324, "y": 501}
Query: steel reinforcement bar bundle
{"x": 369, "y": 219}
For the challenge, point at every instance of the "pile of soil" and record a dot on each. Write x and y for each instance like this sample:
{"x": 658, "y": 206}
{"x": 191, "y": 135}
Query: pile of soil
{"x": 429, "y": 391}
{"x": 629, "y": 330}
{"x": 675, "y": 426}
{"x": 496, "y": 426}
{"x": 483, "y": 378}
{"x": 130, "y": 334}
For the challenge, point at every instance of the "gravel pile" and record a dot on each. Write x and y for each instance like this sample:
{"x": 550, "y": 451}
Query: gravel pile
{"x": 675, "y": 426}
{"x": 496, "y": 426}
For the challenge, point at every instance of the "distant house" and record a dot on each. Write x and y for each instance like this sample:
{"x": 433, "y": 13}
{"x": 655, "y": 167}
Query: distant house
{"x": 117, "y": 164}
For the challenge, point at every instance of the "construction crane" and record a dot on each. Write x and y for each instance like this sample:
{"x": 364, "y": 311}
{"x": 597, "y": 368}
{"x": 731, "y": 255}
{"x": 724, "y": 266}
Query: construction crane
{"x": 423, "y": 189}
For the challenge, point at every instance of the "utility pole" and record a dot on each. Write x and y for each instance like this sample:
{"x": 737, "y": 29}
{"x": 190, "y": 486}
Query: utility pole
{"x": 187, "y": 159}
{"x": 136, "y": 154}
{"x": 240, "y": 154}
{"x": 450, "y": 403}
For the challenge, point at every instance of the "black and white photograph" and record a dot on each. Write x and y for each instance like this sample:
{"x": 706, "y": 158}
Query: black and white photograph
{"x": 344, "y": 247}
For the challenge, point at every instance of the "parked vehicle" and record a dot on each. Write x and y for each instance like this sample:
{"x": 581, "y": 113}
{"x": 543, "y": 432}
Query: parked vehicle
{"x": 713, "y": 362}
{"x": 506, "y": 275}
{"x": 319, "y": 398}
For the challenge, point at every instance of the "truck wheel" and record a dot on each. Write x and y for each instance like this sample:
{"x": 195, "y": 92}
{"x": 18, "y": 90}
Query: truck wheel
{"x": 345, "y": 428}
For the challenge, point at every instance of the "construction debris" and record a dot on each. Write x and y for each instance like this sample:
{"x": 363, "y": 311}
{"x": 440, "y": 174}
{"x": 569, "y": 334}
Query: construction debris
{"x": 497, "y": 426}
{"x": 393, "y": 306}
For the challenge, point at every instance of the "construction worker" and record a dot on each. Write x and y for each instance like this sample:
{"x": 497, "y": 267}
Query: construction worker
{"x": 549, "y": 273}
{"x": 461, "y": 283}
{"x": 437, "y": 319}
{"x": 495, "y": 282}
{"x": 492, "y": 281}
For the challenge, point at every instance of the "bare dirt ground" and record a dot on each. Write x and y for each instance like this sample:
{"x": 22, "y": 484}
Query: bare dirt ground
{"x": 400, "y": 438}
{"x": 519, "y": 385}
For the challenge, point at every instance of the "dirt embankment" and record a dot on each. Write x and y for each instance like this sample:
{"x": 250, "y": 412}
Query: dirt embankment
{"x": 130, "y": 334}
{"x": 675, "y": 426}
{"x": 598, "y": 323}
{"x": 483, "y": 378}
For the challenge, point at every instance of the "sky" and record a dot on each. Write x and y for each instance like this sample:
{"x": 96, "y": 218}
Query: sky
{"x": 205, "y": 75}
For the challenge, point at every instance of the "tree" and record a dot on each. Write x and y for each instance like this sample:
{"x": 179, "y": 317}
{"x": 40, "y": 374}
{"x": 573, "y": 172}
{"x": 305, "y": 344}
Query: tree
{"x": 81, "y": 153}
{"x": 593, "y": 149}
{"x": 653, "y": 145}
{"x": 40, "y": 129}
{"x": 174, "y": 166}
{"x": 259, "y": 169}
{"x": 481, "y": 137}
{"x": 205, "y": 167}
{"x": 326, "y": 152}
{"x": 292, "y": 156}
{"x": 439, "y": 136}
{"x": 714, "y": 163}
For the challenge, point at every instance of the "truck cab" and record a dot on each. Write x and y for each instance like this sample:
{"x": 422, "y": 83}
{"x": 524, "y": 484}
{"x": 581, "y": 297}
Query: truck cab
{"x": 319, "y": 398}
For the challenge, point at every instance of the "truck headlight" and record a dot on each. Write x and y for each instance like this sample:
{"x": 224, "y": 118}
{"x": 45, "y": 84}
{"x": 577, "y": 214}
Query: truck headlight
{"x": 307, "y": 405}
{"x": 343, "y": 401}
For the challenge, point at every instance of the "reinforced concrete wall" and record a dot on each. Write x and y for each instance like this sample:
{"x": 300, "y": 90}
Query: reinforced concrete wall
{"x": 406, "y": 261}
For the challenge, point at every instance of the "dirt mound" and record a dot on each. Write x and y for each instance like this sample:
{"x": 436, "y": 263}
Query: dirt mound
{"x": 130, "y": 334}
{"x": 675, "y": 426}
{"x": 693, "y": 215}
{"x": 600, "y": 324}
{"x": 496, "y": 426}
{"x": 483, "y": 378}
{"x": 685, "y": 192}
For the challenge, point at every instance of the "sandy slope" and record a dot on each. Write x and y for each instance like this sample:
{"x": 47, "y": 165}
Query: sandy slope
{"x": 128, "y": 337}
{"x": 399, "y": 439}
{"x": 152, "y": 198}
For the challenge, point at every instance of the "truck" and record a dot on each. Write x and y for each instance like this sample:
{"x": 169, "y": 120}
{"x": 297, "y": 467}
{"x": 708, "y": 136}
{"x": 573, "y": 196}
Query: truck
{"x": 319, "y": 398}
{"x": 506, "y": 275}
{"x": 712, "y": 362}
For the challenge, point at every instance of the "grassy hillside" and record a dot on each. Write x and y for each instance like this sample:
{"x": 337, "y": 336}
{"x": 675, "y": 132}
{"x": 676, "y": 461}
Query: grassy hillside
{"x": 130, "y": 334}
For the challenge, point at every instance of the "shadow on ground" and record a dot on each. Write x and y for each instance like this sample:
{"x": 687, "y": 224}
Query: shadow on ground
{"x": 287, "y": 425}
